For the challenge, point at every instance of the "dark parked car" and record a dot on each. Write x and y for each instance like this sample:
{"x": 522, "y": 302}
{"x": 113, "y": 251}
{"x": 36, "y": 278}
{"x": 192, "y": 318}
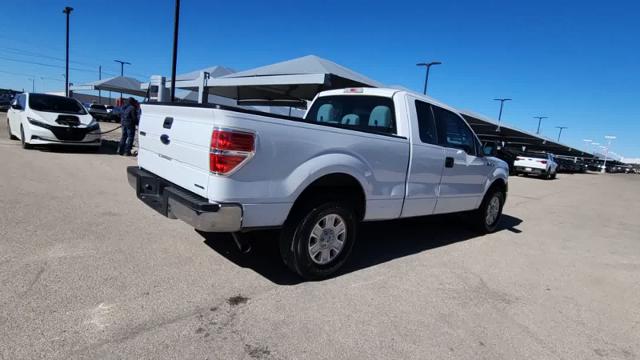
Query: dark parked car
{"x": 103, "y": 112}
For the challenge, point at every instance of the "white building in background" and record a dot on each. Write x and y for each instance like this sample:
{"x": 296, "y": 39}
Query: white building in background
{"x": 631, "y": 160}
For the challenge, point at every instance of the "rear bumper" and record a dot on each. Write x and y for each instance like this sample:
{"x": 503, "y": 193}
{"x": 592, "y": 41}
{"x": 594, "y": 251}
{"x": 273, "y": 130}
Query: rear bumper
{"x": 529, "y": 170}
{"x": 177, "y": 203}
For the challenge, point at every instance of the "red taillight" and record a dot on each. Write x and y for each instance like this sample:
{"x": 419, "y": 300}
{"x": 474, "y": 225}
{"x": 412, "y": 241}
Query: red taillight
{"x": 542, "y": 161}
{"x": 229, "y": 149}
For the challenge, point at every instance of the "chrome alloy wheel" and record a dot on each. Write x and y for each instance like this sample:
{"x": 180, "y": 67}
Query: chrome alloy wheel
{"x": 327, "y": 239}
{"x": 493, "y": 210}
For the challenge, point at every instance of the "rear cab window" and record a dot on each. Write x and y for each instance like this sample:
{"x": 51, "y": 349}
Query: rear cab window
{"x": 367, "y": 113}
{"x": 426, "y": 123}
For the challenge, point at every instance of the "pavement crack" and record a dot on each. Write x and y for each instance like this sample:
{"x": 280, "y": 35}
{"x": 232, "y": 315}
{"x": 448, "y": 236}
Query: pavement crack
{"x": 35, "y": 279}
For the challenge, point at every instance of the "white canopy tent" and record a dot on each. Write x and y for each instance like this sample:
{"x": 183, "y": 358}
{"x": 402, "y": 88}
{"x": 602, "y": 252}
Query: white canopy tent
{"x": 286, "y": 83}
{"x": 119, "y": 84}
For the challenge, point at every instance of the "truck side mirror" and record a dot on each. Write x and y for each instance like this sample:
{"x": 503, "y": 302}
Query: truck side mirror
{"x": 489, "y": 149}
{"x": 15, "y": 105}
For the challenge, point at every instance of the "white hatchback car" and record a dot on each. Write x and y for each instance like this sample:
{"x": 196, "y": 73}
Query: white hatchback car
{"x": 42, "y": 119}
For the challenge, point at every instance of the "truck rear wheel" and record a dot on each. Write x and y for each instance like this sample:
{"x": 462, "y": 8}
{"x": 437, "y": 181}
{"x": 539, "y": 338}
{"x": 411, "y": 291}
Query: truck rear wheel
{"x": 316, "y": 241}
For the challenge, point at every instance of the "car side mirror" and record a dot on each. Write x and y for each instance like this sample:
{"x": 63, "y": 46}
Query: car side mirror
{"x": 16, "y": 106}
{"x": 489, "y": 149}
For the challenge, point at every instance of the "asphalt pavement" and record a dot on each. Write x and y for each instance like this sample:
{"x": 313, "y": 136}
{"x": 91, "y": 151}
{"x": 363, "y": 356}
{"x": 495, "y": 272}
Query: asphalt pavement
{"x": 87, "y": 271}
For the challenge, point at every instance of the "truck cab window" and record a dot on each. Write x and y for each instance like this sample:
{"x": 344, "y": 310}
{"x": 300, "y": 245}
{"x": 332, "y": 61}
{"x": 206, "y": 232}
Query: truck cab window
{"x": 373, "y": 114}
{"x": 426, "y": 123}
{"x": 453, "y": 132}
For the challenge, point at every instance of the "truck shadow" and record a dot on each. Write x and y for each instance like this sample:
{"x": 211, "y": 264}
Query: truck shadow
{"x": 378, "y": 242}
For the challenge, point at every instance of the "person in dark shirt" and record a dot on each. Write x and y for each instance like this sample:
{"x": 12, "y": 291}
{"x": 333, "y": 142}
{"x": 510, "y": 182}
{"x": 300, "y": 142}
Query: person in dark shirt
{"x": 128, "y": 120}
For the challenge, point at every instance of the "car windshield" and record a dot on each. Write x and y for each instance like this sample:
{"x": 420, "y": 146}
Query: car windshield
{"x": 98, "y": 107}
{"x": 56, "y": 104}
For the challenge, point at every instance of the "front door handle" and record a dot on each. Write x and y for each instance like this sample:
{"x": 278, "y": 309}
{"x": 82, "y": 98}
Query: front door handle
{"x": 448, "y": 162}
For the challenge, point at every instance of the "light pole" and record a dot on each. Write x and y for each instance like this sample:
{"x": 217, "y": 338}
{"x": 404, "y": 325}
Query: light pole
{"x": 502, "y": 100}
{"x": 539, "y": 122}
{"x": 100, "y": 78}
{"x": 606, "y": 154}
{"x": 33, "y": 85}
{"x": 174, "y": 59}
{"x": 122, "y": 64}
{"x": 560, "y": 132}
{"x": 67, "y": 10}
{"x": 426, "y": 77}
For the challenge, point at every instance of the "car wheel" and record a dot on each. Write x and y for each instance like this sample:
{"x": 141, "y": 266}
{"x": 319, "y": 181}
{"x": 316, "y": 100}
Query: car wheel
{"x": 25, "y": 144}
{"x": 317, "y": 242}
{"x": 11, "y": 136}
{"x": 487, "y": 217}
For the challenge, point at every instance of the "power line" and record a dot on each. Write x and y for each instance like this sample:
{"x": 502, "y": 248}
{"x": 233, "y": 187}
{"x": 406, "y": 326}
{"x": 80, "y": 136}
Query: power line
{"x": 21, "y": 52}
{"x": 43, "y": 64}
{"x": 28, "y": 53}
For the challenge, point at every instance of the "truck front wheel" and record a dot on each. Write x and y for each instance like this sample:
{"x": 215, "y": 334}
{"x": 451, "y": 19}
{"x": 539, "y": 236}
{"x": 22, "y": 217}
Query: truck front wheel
{"x": 317, "y": 240}
{"x": 487, "y": 217}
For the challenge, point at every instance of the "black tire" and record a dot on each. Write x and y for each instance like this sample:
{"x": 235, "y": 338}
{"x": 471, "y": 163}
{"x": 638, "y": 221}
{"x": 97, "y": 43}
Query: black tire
{"x": 479, "y": 217}
{"x": 295, "y": 238}
{"x": 25, "y": 144}
{"x": 553, "y": 176}
{"x": 11, "y": 136}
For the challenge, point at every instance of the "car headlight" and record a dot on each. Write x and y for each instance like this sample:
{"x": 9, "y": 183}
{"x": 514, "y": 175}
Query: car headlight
{"x": 93, "y": 125}
{"x": 35, "y": 122}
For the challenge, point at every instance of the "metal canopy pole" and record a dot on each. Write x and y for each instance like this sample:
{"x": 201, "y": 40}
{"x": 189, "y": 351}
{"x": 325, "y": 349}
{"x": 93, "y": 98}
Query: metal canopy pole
{"x": 67, "y": 10}
{"x": 176, "y": 24}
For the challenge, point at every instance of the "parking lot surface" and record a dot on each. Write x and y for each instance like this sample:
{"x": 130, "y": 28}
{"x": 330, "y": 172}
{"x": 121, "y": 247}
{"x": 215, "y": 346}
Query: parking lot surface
{"x": 87, "y": 271}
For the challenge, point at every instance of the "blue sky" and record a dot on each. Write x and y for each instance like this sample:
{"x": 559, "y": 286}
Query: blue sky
{"x": 574, "y": 61}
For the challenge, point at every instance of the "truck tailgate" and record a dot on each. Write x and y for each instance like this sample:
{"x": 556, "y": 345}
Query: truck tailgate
{"x": 174, "y": 144}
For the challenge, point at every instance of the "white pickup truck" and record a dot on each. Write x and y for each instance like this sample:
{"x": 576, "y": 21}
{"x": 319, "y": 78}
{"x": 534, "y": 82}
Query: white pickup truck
{"x": 360, "y": 154}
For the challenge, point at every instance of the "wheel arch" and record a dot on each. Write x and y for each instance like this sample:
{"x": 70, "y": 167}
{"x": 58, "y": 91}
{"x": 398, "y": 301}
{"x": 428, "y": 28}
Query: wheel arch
{"x": 337, "y": 186}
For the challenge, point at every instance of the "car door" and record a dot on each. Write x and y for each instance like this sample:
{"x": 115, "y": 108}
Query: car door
{"x": 466, "y": 170}
{"x": 426, "y": 163}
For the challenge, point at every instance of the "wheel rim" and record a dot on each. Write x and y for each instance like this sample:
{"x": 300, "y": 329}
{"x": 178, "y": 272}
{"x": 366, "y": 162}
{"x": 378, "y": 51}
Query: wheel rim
{"x": 327, "y": 239}
{"x": 493, "y": 210}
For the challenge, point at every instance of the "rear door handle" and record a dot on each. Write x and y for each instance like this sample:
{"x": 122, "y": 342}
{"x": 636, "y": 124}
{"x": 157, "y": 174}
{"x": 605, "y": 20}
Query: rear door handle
{"x": 164, "y": 138}
{"x": 448, "y": 162}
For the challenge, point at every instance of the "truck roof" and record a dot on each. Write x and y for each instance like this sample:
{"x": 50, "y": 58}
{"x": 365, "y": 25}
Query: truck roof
{"x": 386, "y": 92}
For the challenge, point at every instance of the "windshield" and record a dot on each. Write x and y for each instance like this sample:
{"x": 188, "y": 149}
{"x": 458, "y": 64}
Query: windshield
{"x": 56, "y": 104}
{"x": 98, "y": 107}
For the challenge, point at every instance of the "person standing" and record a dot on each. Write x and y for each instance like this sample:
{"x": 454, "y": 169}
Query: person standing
{"x": 128, "y": 120}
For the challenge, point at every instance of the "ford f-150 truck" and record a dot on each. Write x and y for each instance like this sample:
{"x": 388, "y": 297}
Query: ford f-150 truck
{"x": 359, "y": 154}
